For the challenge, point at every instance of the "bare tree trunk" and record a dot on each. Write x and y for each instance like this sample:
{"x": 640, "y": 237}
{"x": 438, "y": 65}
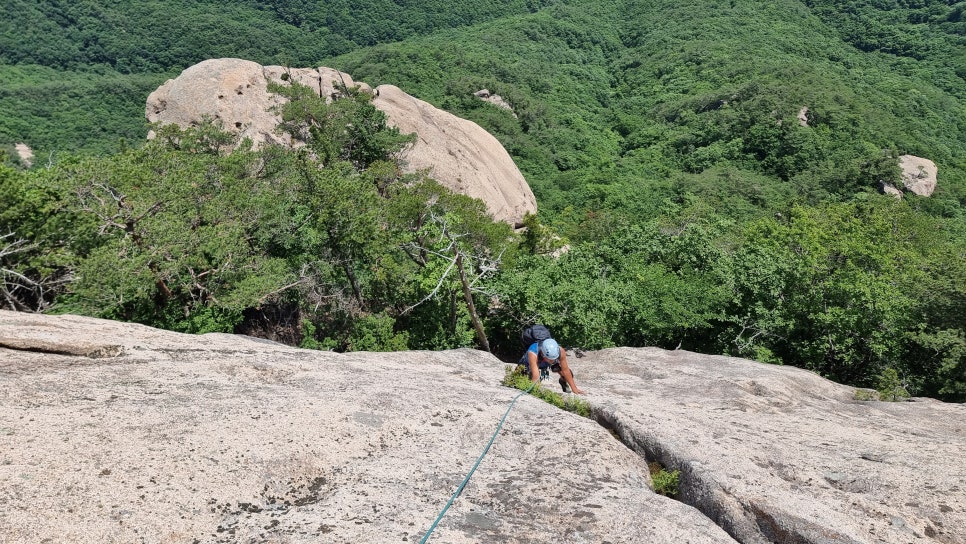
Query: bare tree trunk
{"x": 468, "y": 296}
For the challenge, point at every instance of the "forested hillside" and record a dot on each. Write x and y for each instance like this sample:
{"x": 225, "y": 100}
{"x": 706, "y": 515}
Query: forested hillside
{"x": 659, "y": 90}
{"x": 712, "y": 166}
{"x": 74, "y": 74}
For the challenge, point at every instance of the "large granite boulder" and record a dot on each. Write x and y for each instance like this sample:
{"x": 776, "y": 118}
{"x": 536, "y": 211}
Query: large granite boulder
{"x": 456, "y": 152}
{"x": 234, "y": 92}
{"x": 116, "y": 432}
{"x": 918, "y": 174}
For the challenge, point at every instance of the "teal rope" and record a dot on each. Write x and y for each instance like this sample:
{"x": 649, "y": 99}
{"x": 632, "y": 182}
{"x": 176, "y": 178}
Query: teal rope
{"x": 459, "y": 490}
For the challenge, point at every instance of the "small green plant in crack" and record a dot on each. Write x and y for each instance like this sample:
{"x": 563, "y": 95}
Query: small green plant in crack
{"x": 518, "y": 380}
{"x": 665, "y": 481}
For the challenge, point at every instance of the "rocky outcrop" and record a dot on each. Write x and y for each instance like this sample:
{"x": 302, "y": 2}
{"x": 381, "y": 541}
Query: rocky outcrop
{"x": 918, "y": 174}
{"x": 890, "y": 189}
{"x": 234, "y": 92}
{"x": 495, "y": 99}
{"x": 25, "y": 154}
{"x": 219, "y": 438}
{"x": 456, "y": 152}
{"x": 803, "y": 116}
{"x": 136, "y": 434}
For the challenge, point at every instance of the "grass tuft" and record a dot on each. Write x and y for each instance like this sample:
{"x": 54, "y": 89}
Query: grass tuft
{"x": 570, "y": 403}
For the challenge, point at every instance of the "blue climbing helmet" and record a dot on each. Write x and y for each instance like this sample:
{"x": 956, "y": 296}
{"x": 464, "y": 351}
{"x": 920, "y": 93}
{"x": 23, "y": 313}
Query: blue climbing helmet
{"x": 550, "y": 349}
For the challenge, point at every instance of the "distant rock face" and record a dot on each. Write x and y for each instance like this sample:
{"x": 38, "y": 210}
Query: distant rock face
{"x": 918, "y": 174}
{"x": 115, "y": 432}
{"x": 469, "y": 158}
{"x": 25, "y": 154}
{"x": 458, "y": 153}
{"x": 234, "y": 92}
{"x": 890, "y": 189}
{"x": 495, "y": 99}
{"x": 803, "y": 116}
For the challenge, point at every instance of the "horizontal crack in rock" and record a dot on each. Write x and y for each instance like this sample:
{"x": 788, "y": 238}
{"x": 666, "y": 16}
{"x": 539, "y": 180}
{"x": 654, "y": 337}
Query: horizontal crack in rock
{"x": 92, "y": 351}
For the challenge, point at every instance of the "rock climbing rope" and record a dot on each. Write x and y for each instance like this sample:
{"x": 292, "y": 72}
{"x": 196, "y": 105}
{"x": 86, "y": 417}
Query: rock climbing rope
{"x": 466, "y": 480}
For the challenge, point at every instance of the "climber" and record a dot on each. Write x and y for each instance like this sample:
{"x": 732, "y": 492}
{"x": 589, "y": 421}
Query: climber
{"x": 548, "y": 354}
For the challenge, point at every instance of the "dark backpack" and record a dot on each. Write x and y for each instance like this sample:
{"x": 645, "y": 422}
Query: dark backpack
{"x": 534, "y": 333}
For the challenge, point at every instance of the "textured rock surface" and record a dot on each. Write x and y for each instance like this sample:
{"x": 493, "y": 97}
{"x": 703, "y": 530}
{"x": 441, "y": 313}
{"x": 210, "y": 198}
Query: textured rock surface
{"x": 803, "y": 116}
{"x": 778, "y": 454}
{"x": 495, "y": 99}
{"x": 458, "y": 153}
{"x": 234, "y": 92}
{"x": 215, "y": 438}
{"x": 115, "y": 432}
{"x": 918, "y": 174}
{"x": 25, "y": 154}
{"x": 890, "y": 189}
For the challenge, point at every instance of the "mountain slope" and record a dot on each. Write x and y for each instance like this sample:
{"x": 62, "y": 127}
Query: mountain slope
{"x": 74, "y": 75}
{"x": 651, "y": 89}
{"x": 607, "y": 92}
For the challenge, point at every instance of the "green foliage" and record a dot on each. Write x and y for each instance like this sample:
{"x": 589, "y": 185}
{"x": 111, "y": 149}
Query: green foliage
{"x": 847, "y": 290}
{"x": 666, "y": 87}
{"x": 659, "y": 283}
{"x": 890, "y": 387}
{"x": 178, "y": 237}
{"x": 60, "y": 112}
{"x": 538, "y": 239}
{"x": 456, "y": 248}
{"x": 684, "y": 96}
{"x": 864, "y": 395}
{"x": 308, "y": 337}
{"x": 708, "y": 199}
{"x": 39, "y": 240}
{"x": 666, "y": 482}
{"x": 195, "y": 233}
{"x": 822, "y": 291}
{"x": 74, "y": 75}
{"x": 145, "y": 36}
{"x": 569, "y": 403}
{"x": 942, "y": 356}
{"x": 349, "y": 128}
{"x": 375, "y": 333}
{"x": 924, "y": 30}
